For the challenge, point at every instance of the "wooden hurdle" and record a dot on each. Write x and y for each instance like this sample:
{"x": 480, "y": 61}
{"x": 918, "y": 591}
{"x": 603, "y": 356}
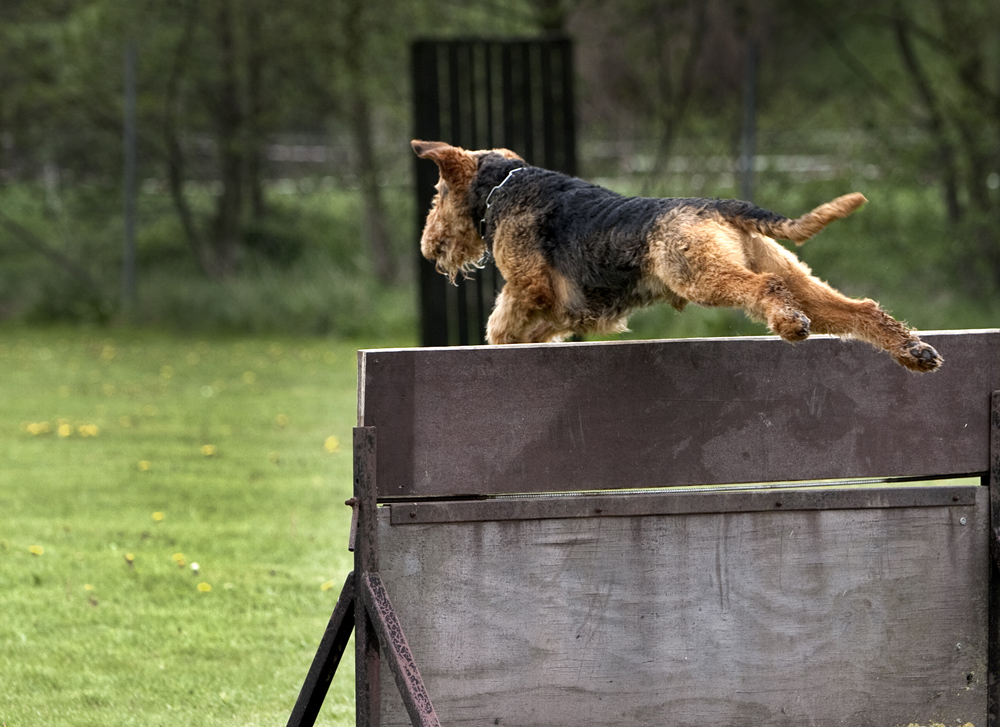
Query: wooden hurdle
{"x": 718, "y": 531}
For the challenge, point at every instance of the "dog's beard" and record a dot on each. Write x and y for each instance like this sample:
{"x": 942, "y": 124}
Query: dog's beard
{"x": 458, "y": 252}
{"x": 448, "y": 263}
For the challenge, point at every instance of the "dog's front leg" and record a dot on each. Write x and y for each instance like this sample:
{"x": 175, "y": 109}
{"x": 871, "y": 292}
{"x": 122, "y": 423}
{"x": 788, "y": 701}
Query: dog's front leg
{"x": 508, "y": 321}
{"x": 516, "y": 318}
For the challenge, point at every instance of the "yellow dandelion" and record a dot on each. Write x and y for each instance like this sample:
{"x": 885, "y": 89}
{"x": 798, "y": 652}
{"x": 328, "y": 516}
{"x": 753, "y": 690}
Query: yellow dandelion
{"x": 36, "y": 550}
{"x": 178, "y": 558}
{"x": 281, "y": 420}
{"x": 36, "y": 428}
{"x": 149, "y": 410}
{"x": 145, "y": 466}
{"x": 167, "y": 372}
{"x": 249, "y": 377}
{"x": 204, "y": 587}
{"x": 108, "y": 353}
{"x": 326, "y": 586}
{"x": 65, "y": 430}
{"x": 130, "y": 559}
{"x": 208, "y": 450}
{"x": 88, "y": 430}
{"x": 331, "y": 444}
{"x": 88, "y": 587}
{"x": 158, "y": 517}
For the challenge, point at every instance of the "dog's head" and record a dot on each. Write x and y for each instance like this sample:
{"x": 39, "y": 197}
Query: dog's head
{"x": 451, "y": 235}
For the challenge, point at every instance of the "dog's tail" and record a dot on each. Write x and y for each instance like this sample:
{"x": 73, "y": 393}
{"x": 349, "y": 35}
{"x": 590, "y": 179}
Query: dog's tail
{"x": 799, "y": 230}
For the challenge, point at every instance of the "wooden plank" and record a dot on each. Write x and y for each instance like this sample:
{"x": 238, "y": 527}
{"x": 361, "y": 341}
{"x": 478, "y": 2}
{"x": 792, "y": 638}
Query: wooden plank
{"x": 678, "y": 503}
{"x": 866, "y": 617}
{"x": 327, "y": 659}
{"x": 569, "y": 417}
{"x": 399, "y": 658}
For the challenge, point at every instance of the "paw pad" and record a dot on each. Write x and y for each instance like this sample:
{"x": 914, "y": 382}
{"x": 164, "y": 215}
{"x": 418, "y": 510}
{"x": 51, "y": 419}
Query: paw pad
{"x": 919, "y": 356}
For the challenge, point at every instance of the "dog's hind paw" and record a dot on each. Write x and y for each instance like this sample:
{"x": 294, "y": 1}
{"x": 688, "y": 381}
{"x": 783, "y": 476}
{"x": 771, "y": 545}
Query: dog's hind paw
{"x": 919, "y": 356}
{"x": 794, "y": 327}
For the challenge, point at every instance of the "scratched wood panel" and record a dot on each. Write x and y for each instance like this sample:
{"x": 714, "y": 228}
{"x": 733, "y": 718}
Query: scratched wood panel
{"x": 868, "y": 617}
{"x": 483, "y": 420}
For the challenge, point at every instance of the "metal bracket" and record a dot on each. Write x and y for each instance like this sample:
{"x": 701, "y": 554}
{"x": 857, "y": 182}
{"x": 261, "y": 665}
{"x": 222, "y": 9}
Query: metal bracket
{"x": 353, "y": 538}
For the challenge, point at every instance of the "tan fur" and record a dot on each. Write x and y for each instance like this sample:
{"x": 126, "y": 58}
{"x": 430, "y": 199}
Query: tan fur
{"x": 811, "y": 223}
{"x": 692, "y": 255}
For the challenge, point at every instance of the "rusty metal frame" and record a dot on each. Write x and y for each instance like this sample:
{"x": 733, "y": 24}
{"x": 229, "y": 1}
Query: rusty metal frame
{"x": 992, "y": 479}
{"x": 364, "y": 608}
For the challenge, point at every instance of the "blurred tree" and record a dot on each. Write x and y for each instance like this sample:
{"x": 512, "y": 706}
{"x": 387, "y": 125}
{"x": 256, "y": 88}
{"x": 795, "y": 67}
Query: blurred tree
{"x": 932, "y": 68}
{"x": 358, "y": 30}
{"x": 215, "y": 80}
{"x": 950, "y": 52}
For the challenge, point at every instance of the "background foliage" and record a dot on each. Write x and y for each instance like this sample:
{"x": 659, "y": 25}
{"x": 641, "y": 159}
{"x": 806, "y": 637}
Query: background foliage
{"x": 275, "y": 173}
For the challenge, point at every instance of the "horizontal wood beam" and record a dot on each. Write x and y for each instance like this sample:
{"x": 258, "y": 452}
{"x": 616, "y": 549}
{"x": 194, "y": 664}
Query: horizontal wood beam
{"x": 489, "y": 420}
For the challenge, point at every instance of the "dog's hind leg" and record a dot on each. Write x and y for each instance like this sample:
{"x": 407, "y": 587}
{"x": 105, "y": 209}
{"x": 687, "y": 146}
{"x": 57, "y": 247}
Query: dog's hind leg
{"x": 832, "y": 312}
{"x": 708, "y": 266}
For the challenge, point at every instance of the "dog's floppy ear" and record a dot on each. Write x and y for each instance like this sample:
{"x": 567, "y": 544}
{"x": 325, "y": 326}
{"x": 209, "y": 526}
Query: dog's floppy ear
{"x": 430, "y": 149}
{"x": 454, "y": 162}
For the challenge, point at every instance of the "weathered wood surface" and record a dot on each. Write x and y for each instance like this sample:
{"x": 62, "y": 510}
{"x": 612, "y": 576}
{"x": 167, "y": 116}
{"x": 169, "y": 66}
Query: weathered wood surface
{"x": 843, "y": 617}
{"x": 565, "y": 417}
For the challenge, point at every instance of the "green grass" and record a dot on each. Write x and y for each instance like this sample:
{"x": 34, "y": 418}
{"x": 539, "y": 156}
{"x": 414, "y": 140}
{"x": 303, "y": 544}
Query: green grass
{"x": 88, "y": 638}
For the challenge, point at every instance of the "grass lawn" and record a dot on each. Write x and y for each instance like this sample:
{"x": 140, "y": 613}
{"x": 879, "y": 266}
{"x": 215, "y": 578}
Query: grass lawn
{"x": 172, "y": 530}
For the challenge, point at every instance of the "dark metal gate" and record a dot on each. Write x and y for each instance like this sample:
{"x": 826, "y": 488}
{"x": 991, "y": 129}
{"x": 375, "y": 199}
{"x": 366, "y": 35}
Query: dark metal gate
{"x": 484, "y": 94}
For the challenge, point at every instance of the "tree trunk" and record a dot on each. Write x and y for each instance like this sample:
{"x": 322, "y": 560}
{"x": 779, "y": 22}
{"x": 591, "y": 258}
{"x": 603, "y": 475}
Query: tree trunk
{"x": 674, "y": 102}
{"x": 374, "y": 229}
{"x": 934, "y": 121}
{"x": 228, "y": 223}
{"x": 175, "y": 153}
{"x": 255, "y": 112}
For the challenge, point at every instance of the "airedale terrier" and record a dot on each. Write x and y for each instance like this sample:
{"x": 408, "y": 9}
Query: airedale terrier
{"x": 578, "y": 258}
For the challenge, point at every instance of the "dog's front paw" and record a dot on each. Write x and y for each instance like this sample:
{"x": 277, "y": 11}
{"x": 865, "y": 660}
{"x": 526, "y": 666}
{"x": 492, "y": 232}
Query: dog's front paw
{"x": 919, "y": 356}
